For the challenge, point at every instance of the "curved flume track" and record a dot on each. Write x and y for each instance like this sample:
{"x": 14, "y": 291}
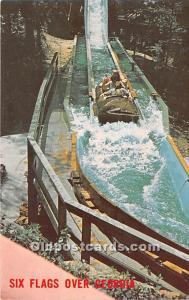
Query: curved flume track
{"x": 123, "y": 160}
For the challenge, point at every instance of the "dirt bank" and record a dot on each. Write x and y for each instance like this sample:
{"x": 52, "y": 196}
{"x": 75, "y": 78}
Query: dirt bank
{"x": 53, "y": 44}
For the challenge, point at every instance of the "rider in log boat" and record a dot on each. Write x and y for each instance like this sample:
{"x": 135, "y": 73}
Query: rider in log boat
{"x": 114, "y": 100}
{"x": 115, "y": 86}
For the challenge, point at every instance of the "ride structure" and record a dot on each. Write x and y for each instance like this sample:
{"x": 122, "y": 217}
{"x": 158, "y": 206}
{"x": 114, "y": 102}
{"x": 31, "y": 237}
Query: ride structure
{"x": 51, "y": 160}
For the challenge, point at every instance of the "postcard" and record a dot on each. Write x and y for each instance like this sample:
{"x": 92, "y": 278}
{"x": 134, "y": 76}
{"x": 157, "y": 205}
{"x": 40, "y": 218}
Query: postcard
{"x": 94, "y": 149}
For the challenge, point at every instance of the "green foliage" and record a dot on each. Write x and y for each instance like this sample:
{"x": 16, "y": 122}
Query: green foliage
{"x": 160, "y": 28}
{"x": 79, "y": 269}
{"x": 29, "y": 234}
{"x": 22, "y": 26}
{"x": 22, "y": 70}
{"x": 140, "y": 291}
{"x": 23, "y": 235}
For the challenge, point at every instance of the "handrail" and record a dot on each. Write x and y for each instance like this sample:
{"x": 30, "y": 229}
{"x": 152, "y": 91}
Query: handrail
{"x": 38, "y": 115}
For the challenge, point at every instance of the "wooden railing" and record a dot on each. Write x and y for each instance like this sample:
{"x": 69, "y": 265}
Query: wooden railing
{"x": 58, "y": 203}
{"x": 45, "y": 89}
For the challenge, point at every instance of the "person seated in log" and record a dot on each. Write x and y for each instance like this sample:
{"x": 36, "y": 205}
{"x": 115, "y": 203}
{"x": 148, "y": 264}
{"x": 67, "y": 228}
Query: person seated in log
{"x": 110, "y": 84}
{"x": 121, "y": 89}
{"x": 114, "y": 86}
{"x": 106, "y": 83}
{"x": 107, "y": 86}
{"x": 119, "y": 85}
{"x": 116, "y": 79}
{"x": 115, "y": 76}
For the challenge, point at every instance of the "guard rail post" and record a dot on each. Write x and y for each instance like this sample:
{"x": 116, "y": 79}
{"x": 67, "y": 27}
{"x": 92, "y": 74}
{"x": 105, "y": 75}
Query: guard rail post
{"x": 86, "y": 238}
{"x": 62, "y": 215}
{"x": 32, "y": 193}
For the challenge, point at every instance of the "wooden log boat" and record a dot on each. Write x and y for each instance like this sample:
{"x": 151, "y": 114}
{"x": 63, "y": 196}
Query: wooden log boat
{"x": 115, "y": 105}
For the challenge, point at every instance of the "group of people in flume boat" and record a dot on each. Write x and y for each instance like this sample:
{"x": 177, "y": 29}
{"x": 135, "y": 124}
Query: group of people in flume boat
{"x": 115, "y": 100}
{"x": 114, "y": 86}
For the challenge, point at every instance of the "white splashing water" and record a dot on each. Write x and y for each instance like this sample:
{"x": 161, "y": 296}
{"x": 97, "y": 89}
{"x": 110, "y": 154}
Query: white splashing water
{"x": 152, "y": 188}
{"x": 96, "y": 23}
{"x": 123, "y": 161}
{"x": 153, "y": 120}
{"x": 115, "y": 147}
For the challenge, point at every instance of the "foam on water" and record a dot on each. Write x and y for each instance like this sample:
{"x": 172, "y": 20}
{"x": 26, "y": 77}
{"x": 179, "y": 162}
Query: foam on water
{"x": 96, "y": 23}
{"x": 150, "y": 189}
{"x": 152, "y": 118}
{"x": 123, "y": 161}
{"x": 117, "y": 146}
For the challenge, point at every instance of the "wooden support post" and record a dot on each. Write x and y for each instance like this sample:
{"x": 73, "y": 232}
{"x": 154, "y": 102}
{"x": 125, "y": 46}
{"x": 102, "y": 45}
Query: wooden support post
{"x": 74, "y": 164}
{"x": 86, "y": 238}
{"x": 32, "y": 193}
{"x": 62, "y": 224}
{"x": 62, "y": 216}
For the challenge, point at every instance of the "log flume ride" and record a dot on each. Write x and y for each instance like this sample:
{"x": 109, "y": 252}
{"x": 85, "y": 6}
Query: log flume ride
{"x": 112, "y": 105}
